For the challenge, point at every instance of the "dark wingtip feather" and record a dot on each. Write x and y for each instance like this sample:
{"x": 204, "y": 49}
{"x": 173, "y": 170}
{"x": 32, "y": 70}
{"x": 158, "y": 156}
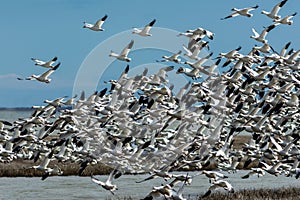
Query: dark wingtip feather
{"x": 104, "y": 18}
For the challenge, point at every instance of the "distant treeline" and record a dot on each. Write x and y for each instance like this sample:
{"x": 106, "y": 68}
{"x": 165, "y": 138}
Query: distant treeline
{"x": 27, "y": 108}
{"x": 18, "y": 109}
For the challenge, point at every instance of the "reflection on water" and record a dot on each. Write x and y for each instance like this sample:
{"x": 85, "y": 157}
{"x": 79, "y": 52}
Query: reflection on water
{"x": 73, "y": 187}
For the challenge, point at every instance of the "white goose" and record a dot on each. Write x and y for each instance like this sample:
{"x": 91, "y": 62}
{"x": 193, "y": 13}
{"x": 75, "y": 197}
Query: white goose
{"x": 123, "y": 56}
{"x": 43, "y": 77}
{"x": 44, "y": 164}
{"x": 48, "y": 64}
{"x": 108, "y": 185}
{"x": 274, "y": 13}
{"x": 145, "y": 30}
{"x": 219, "y": 184}
{"x": 266, "y": 48}
{"x": 97, "y": 26}
{"x": 261, "y": 37}
{"x": 172, "y": 58}
{"x": 243, "y": 12}
{"x": 286, "y": 20}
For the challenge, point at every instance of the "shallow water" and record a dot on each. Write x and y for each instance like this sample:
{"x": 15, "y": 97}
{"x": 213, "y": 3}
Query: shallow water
{"x": 73, "y": 187}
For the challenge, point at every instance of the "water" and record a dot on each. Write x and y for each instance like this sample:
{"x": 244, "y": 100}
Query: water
{"x": 73, "y": 187}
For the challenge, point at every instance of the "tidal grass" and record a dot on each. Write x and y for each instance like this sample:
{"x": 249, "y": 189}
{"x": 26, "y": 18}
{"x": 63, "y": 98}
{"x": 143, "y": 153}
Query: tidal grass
{"x": 21, "y": 168}
{"x": 289, "y": 193}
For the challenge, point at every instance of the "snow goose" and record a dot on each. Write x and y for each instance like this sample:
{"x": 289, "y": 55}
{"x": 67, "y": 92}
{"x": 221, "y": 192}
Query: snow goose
{"x": 219, "y": 184}
{"x": 266, "y": 48}
{"x": 231, "y": 55}
{"x": 261, "y": 37}
{"x": 275, "y": 10}
{"x": 243, "y": 12}
{"x": 97, "y": 26}
{"x": 46, "y": 64}
{"x": 202, "y": 33}
{"x": 108, "y": 185}
{"x": 44, "y": 164}
{"x": 193, "y": 73}
{"x": 273, "y": 170}
{"x": 194, "y": 51}
{"x": 172, "y": 58}
{"x": 213, "y": 175}
{"x": 157, "y": 173}
{"x": 254, "y": 171}
{"x": 145, "y": 30}
{"x": 286, "y": 20}
{"x": 123, "y": 56}
{"x": 52, "y": 171}
{"x": 43, "y": 77}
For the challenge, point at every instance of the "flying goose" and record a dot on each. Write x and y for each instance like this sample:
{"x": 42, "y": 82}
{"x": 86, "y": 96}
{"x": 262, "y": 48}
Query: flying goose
{"x": 172, "y": 58}
{"x": 145, "y": 30}
{"x": 108, "y": 185}
{"x": 286, "y": 20}
{"x": 48, "y": 64}
{"x": 43, "y": 77}
{"x": 123, "y": 56}
{"x": 243, "y": 12}
{"x": 97, "y": 26}
{"x": 213, "y": 175}
{"x": 261, "y": 37}
{"x": 219, "y": 184}
{"x": 275, "y": 10}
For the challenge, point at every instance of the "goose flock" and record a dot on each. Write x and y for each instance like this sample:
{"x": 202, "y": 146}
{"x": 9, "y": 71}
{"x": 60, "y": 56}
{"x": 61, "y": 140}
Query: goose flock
{"x": 140, "y": 125}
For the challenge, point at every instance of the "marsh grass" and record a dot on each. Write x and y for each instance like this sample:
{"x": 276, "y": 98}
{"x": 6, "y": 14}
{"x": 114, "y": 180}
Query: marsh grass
{"x": 21, "y": 168}
{"x": 289, "y": 193}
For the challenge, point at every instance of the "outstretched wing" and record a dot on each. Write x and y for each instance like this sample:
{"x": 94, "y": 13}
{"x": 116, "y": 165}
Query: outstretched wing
{"x": 100, "y": 22}
{"x": 127, "y": 49}
{"x": 234, "y": 14}
{"x": 97, "y": 181}
{"x": 149, "y": 26}
{"x": 50, "y": 71}
{"x": 255, "y": 33}
{"x": 278, "y": 6}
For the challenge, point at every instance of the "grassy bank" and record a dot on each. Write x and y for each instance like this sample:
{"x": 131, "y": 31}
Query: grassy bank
{"x": 290, "y": 193}
{"x": 21, "y": 168}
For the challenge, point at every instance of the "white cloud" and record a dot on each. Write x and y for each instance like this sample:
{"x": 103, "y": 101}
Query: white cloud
{"x": 8, "y": 76}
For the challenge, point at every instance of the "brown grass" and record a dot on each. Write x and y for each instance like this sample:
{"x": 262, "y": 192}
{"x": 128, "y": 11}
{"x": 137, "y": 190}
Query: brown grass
{"x": 19, "y": 168}
{"x": 256, "y": 194}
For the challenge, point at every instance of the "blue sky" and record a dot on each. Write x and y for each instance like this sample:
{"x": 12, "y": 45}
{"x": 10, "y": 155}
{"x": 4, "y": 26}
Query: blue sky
{"x": 48, "y": 28}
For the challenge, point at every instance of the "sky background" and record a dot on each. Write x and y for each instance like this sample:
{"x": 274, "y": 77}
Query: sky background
{"x": 49, "y": 28}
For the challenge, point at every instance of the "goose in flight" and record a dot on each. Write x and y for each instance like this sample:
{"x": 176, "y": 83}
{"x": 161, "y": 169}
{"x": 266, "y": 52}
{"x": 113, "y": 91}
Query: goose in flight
{"x": 274, "y": 13}
{"x": 97, "y": 26}
{"x": 243, "y": 12}
{"x": 254, "y": 171}
{"x": 145, "y": 30}
{"x": 286, "y": 20}
{"x": 172, "y": 58}
{"x": 108, "y": 185}
{"x": 262, "y": 37}
{"x": 123, "y": 56}
{"x": 213, "y": 175}
{"x": 48, "y": 64}
{"x": 219, "y": 184}
{"x": 43, "y": 77}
